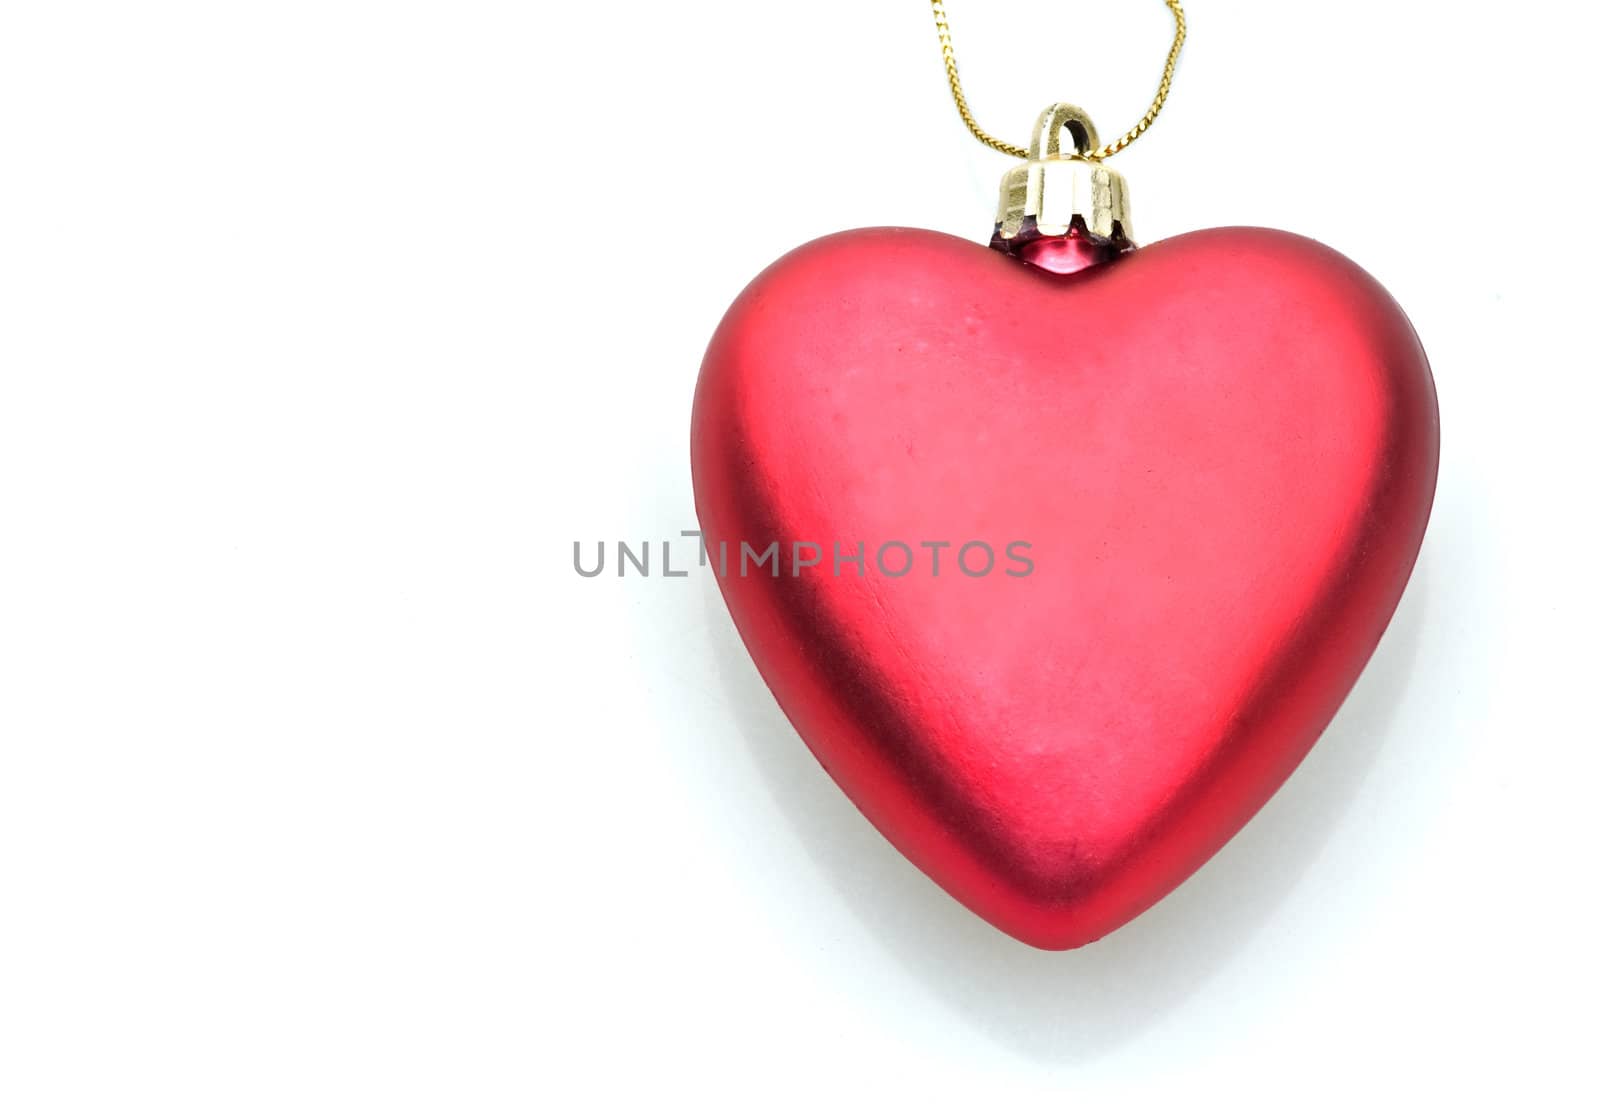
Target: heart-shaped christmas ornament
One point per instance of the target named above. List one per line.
(1061, 555)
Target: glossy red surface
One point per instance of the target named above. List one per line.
(1222, 450)
(1066, 253)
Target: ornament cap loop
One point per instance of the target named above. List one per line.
(1062, 188)
(1056, 119)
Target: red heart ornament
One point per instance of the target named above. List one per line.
(1217, 456)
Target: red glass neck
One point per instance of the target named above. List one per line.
(1072, 252)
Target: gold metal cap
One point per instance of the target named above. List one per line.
(1060, 182)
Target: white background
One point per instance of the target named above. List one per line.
(327, 327)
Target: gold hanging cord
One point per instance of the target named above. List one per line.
(942, 22)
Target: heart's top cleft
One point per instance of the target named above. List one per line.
(1061, 210)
